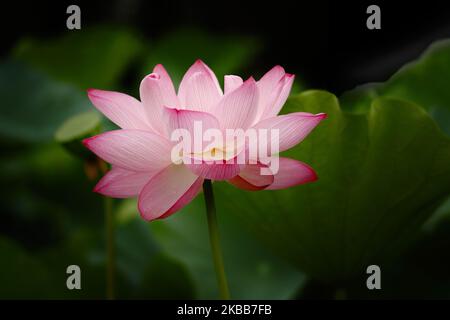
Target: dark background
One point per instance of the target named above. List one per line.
(325, 42)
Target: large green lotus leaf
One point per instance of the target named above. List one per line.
(33, 105)
(149, 272)
(252, 271)
(424, 82)
(95, 57)
(381, 174)
(179, 49)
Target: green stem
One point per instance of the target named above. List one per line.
(214, 239)
(110, 248)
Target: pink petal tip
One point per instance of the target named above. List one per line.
(87, 141)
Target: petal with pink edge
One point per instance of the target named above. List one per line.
(267, 85)
(292, 128)
(199, 66)
(280, 97)
(291, 173)
(199, 89)
(271, 78)
(124, 110)
(199, 92)
(193, 191)
(164, 190)
(156, 92)
(250, 178)
(135, 150)
(122, 183)
(237, 109)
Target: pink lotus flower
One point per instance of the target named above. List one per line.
(140, 152)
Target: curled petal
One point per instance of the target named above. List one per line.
(156, 92)
(124, 110)
(165, 191)
(292, 128)
(166, 83)
(135, 150)
(199, 88)
(291, 173)
(122, 183)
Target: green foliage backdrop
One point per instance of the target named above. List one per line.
(382, 157)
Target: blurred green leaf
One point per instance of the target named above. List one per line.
(72, 132)
(421, 273)
(135, 249)
(22, 275)
(95, 57)
(252, 272)
(381, 174)
(143, 270)
(178, 50)
(442, 213)
(33, 106)
(50, 208)
(78, 126)
(166, 278)
(424, 82)
(75, 249)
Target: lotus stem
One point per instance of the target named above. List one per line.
(110, 249)
(215, 240)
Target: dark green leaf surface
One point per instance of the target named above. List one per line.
(381, 174)
(424, 82)
(33, 105)
(252, 272)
